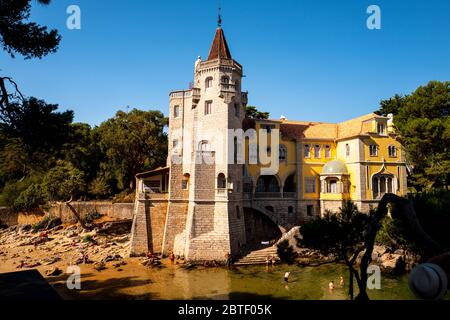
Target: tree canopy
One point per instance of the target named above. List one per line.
(423, 124)
(253, 113)
(19, 36)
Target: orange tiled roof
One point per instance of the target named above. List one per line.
(327, 131)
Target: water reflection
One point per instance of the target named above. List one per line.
(255, 282)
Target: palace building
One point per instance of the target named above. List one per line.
(205, 205)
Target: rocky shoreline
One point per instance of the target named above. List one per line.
(391, 261)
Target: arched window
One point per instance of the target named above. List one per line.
(273, 185)
(204, 146)
(373, 148)
(332, 186)
(289, 184)
(347, 150)
(185, 182)
(307, 151)
(327, 152)
(317, 149)
(260, 186)
(382, 184)
(283, 153)
(209, 82)
(267, 184)
(225, 83)
(221, 181)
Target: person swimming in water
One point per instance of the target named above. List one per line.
(331, 286)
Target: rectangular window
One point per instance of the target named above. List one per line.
(209, 83)
(392, 151)
(381, 128)
(237, 112)
(208, 107)
(310, 185)
(310, 210)
(175, 144)
(327, 152)
(176, 112)
(184, 184)
(373, 150)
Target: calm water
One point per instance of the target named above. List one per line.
(255, 282)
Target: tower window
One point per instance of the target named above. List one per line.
(175, 144)
(176, 112)
(209, 82)
(237, 112)
(238, 213)
(347, 150)
(221, 181)
(208, 107)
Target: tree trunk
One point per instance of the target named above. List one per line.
(350, 284)
(405, 211)
(76, 214)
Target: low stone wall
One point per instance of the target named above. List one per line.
(7, 217)
(112, 211)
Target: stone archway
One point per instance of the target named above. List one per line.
(259, 228)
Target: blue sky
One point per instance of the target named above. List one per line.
(309, 60)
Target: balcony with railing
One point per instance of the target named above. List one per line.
(196, 94)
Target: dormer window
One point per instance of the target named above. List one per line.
(209, 82)
(317, 151)
(381, 128)
(327, 152)
(307, 151)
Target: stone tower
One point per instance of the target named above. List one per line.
(205, 181)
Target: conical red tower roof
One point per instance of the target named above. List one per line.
(219, 48)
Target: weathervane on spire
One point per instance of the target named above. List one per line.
(219, 20)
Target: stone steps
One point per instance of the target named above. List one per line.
(258, 256)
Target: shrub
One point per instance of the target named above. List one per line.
(433, 211)
(33, 197)
(47, 223)
(286, 252)
(92, 216)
